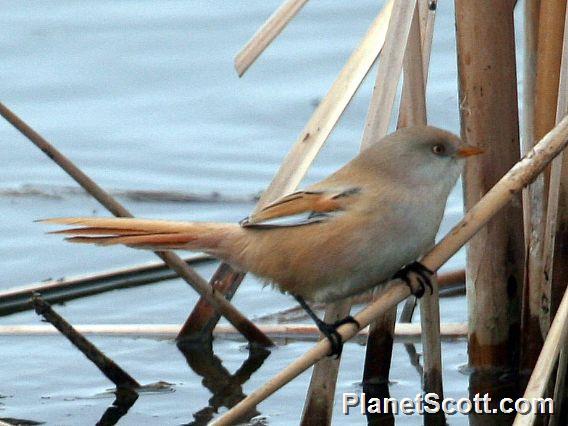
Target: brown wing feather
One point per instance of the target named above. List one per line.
(304, 202)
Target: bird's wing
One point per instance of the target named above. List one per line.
(319, 205)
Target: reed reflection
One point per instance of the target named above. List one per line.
(226, 387)
(125, 398)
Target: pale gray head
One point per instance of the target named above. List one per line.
(421, 155)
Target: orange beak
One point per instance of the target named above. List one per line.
(468, 151)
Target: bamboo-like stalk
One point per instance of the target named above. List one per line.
(388, 73)
(415, 67)
(381, 336)
(560, 386)
(531, 14)
(221, 304)
(487, 90)
(550, 35)
(296, 164)
(106, 365)
(414, 94)
(303, 332)
(552, 281)
(555, 341)
(476, 218)
(530, 33)
(266, 34)
(18, 299)
(203, 318)
(318, 407)
(415, 81)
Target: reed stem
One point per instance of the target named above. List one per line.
(266, 34)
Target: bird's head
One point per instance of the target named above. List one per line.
(422, 155)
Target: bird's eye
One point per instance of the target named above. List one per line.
(438, 149)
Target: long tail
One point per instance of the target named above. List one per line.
(220, 239)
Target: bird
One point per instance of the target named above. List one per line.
(369, 221)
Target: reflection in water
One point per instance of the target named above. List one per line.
(226, 387)
(498, 384)
(125, 398)
(385, 415)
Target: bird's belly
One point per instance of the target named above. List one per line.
(335, 263)
(371, 261)
(367, 273)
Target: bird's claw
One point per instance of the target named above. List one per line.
(331, 333)
(423, 277)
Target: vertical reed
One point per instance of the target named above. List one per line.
(555, 250)
(489, 118)
(381, 332)
(318, 407)
(413, 112)
(530, 31)
(540, 377)
(536, 316)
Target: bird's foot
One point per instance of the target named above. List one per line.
(423, 278)
(335, 339)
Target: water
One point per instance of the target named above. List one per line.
(143, 96)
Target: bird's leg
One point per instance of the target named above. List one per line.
(423, 276)
(329, 330)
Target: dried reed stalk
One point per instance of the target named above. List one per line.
(59, 290)
(266, 34)
(305, 332)
(475, 219)
(300, 157)
(489, 119)
(555, 341)
(388, 74)
(380, 342)
(552, 281)
(106, 365)
(318, 406)
(550, 35)
(530, 32)
(221, 304)
(413, 95)
(560, 386)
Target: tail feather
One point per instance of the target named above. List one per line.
(98, 231)
(126, 223)
(215, 238)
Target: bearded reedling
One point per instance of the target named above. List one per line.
(366, 223)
